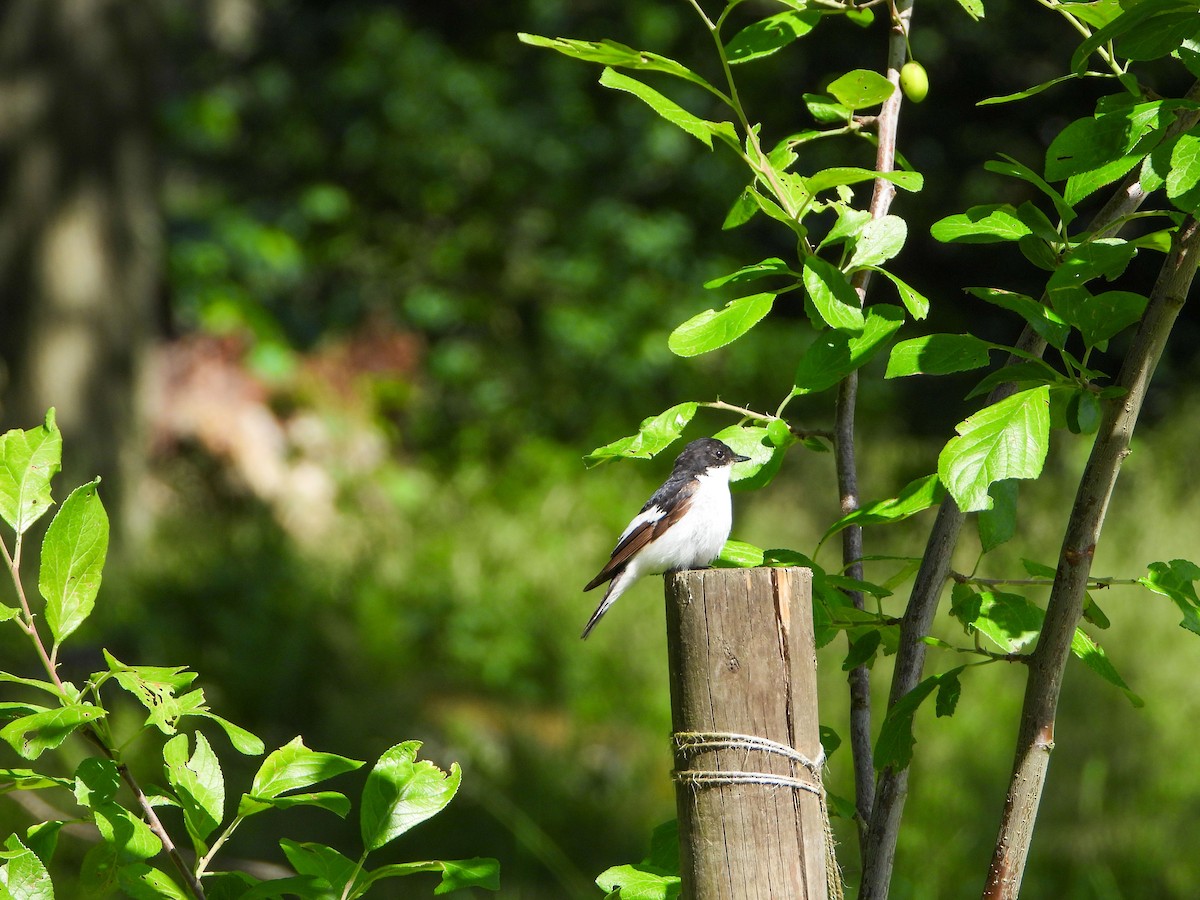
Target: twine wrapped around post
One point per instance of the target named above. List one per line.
(748, 757)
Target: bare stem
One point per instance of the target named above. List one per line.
(846, 462)
(1035, 738)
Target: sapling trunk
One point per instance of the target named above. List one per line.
(1035, 739)
(888, 123)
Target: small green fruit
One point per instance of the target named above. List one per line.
(914, 81)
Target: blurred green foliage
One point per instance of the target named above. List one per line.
(413, 162)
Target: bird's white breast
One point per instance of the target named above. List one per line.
(697, 538)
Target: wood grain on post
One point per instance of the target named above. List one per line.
(743, 663)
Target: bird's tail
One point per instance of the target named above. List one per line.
(615, 589)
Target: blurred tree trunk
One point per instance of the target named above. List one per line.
(80, 241)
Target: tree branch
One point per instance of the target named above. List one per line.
(846, 463)
(1035, 739)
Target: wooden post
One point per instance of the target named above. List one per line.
(752, 820)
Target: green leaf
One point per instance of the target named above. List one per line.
(639, 882)
(835, 300)
(1175, 580)
(847, 175)
(1038, 570)
(917, 495)
(740, 555)
(156, 688)
(712, 328)
(894, 746)
(999, 524)
(73, 554)
(861, 88)
(1083, 412)
(698, 128)
(1090, 144)
(402, 792)
(850, 224)
(862, 650)
(611, 53)
(1183, 177)
(914, 301)
(127, 834)
(744, 208)
(986, 224)
(1010, 621)
(1028, 92)
(1101, 316)
(96, 781)
(1041, 318)
(31, 735)
(825, 109)
(29, 780)
(880, 240)
(1132, 17)
(768, 35)
(197, 782)
(654, 435)
(24, 875)
(320, 862)
(1097, 660)
(456, 874)
(937, 354)
(973, 8)
(243, 741)
(139, 881)
(333, 801)
(28, 460)
(47, 686)
(949, 690)
(1008, 439)
(835, 354)
(1006, 165)
(765, 457)
(768, 267)
(42, 839)
(1103, 258)
(295, 766)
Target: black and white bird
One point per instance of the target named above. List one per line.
(683, 525)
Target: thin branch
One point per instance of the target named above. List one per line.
(844, 450)
(1098, 582)
(1035, 739)
(152, 820)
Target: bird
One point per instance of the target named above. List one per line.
(683, 525)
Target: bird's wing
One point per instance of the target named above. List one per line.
(661, 511)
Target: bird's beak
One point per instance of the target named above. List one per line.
(737, 458)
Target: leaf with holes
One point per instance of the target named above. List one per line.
(28, 460)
